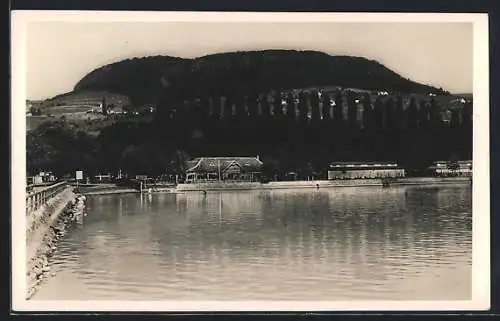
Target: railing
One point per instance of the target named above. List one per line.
(37, 197)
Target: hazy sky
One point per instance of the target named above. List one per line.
(61, 53)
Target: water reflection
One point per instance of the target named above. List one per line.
(282, 244)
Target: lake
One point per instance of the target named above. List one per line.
(359, 243)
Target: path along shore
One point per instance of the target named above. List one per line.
(44, 227)
(226, 186)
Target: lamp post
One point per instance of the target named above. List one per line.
(218, 169)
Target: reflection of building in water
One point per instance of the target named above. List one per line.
(212, 169)
(229, 202)
(357, 170)
(353, 199)
(453, 195)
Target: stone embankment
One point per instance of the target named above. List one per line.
(44, 233)
(375, 182)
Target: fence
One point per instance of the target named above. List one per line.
(39, 196)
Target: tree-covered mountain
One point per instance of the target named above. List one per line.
(137, 78)
(242, 104)
(145, 80)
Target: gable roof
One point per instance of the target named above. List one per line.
(210, 164)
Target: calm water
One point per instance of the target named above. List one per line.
(403, 243)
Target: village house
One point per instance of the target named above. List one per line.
(364, 170)
(206, 169)
(41, 178)
(451, 168)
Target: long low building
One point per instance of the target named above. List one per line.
(364, 170)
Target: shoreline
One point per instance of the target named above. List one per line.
(42, 241)
(235, 186)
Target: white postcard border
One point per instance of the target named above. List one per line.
(481, 203)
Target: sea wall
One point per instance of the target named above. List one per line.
(39, 219)
(320, 183)
(276, 185)
(214, 186)
(43, 232)
(431, 180)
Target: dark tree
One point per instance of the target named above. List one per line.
(367, 112)
(378, 114)
(466, 113)
(204, 109)
(266, 106)
(252, 101)
(239, 109)
(104, 106)
(228, 108)
(435, 113)
(277, 105)
(315, 112)
(326, 107)
(412, 114)
(303, 108)
(290, 108)
(390, 112)
(423, 114)
(214, 103)
(338, 113)
(399, 113)
(466, 127)
(455, 119)
(352, 109)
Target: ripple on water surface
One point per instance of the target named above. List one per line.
(402, 243)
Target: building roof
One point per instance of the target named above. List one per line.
(444, 164)
(210, 164)
(459, 162)
(362, 164)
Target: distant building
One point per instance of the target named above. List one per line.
(117, 110)
(37, 179)
(103, 178)
(363, 170)
(41, 178)
(207, 169)
(452, 168)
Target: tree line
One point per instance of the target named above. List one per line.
(291, 131)
(307, 129)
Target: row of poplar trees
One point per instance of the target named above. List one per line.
(310, 129)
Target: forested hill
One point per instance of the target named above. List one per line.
(145, 80)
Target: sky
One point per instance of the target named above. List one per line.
(59, 54)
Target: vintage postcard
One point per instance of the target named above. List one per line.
(216, 161)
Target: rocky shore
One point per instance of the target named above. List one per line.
(38, 267)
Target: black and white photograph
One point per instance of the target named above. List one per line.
(223, 161)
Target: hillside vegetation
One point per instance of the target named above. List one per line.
(298, 111)
(147, 80)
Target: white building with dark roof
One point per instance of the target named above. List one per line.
(206, 169)
(450, 168)
(364, 170)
